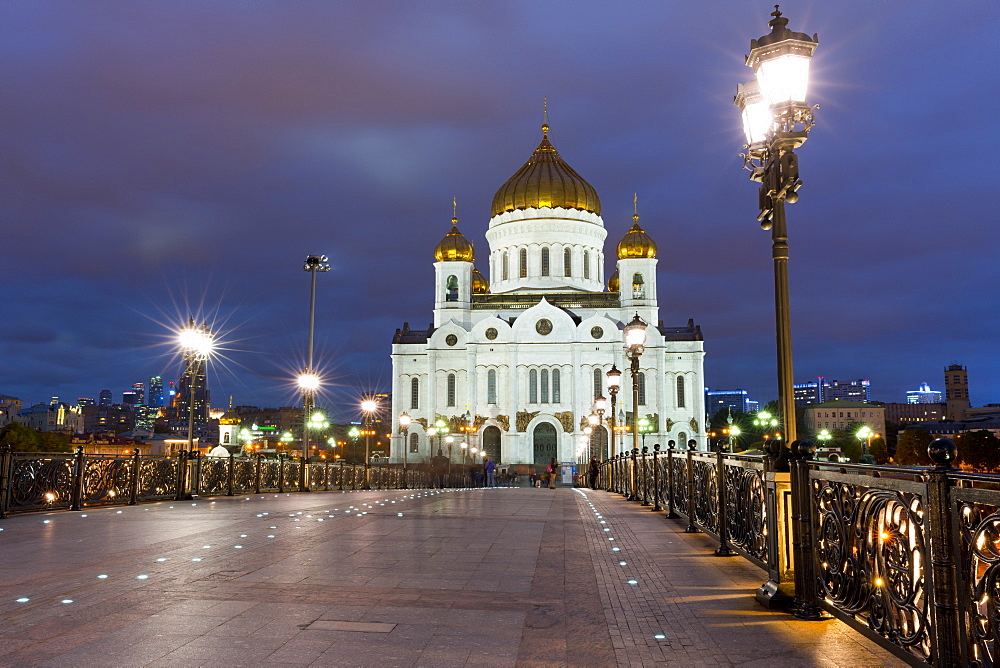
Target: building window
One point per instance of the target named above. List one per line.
(567, 262)
(452, 289)
(491, 386)
(638, 287)
(414, 393)
(586, 264)
(532, 387)
(451, 389)
(641, 384)
(545, 386)
(682, 439)
(504, 266)
(414, 442)
(545, 262)
(680, 391)
(598, 382)
(555, 386)
(523, 269)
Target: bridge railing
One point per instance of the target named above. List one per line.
(908, 556)
(72, 481)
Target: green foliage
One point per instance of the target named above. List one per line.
(911, 448)
(20, 438)
(979, 451)
(880, 451)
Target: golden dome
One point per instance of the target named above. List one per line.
(546, 181)
(636, 243)
(614, 283)
(480, 286)
(454, 247)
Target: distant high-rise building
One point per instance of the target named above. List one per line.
(132, 398)
(105, 398)
(956, 391)
(155, 398)
(923, 395)
(140, 389)
(194, 373)
(820, 390)
(737, 400)
(85, 401)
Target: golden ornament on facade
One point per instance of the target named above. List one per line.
(480, 286)
(546, 181)
(614, 283)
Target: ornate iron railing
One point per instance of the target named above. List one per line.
(908, 556)
(46, 481)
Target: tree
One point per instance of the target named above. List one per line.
(21, 438)
(53, 441)
(911, 447)
(979, 450)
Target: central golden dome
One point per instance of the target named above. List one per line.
(546, 181)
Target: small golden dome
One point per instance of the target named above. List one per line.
(636, 243)
(614, 283)
(454, 247)
(480, 286)
(546, 181)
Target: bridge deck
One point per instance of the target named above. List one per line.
(478, 577)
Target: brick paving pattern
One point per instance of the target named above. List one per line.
(521, 577)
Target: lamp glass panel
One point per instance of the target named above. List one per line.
(635, 336)
(784, 78)
(755, 111)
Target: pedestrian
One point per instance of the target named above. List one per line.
(490, 468)
(593, 472)
(553, 467)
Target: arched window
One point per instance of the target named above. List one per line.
(545, 386)
(555, 386)
(598, 382)
(452, 287)
(638, 287)
(641, 386)
(414, 442)
(505, 268)
(225, 438)
(523, 269)
(491, 386)
(414, 393)
(451, 389)
(682, 440)
(680, 391)
(586, 264)
(567, 262)
(545, 262)
(532, 387)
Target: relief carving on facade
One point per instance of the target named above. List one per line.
(694, 425)
(524, 418)
(503, 421)
(422, 422)
(478, 422)
(566, 420)
(668, 425)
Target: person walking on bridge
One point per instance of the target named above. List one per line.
(490, 467)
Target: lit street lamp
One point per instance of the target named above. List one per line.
(308, 380)
(368, 407)
(776, 121)
(614, 384)
(635, 341)
(865, 436)
(196, 345)
(404, 426)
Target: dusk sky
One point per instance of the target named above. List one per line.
(161, 159)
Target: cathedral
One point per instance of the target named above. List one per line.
(513, 365)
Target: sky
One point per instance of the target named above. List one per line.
(165, 159)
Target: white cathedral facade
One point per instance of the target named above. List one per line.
(513, 366)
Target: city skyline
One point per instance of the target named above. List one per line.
(182, 160)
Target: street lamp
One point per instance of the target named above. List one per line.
(776, 121)
(734, 431)
(404, 426)
(614, 384)
(368, 407)
(308, 380)
(196, 343)
(601, 405)
(644, 428)
(865, 436)
(449, 440)
(635, 341)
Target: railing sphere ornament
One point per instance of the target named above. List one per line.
(942, 452)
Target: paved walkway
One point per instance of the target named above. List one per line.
(502, 577)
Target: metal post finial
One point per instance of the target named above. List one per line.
(545, 117)
(454, 211)
(635, 207)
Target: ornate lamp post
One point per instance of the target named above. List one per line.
(614, 384)
(635, 342)
(865, 436)
(449, 441)
(776, 121)
(404, 427)
(600, 406)
(368, 407)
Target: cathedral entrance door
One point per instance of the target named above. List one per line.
(544, 441)
(491, 443)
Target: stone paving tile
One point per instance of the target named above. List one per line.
(530, 580)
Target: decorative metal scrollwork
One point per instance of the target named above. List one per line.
(706, 496)
(157, 478)
(41, 482)
(746, 510)
(979, 561)
(214, 475)
(871, 556)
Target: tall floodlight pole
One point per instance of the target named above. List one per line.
(776, 121)
(308, 379)
(196, 343)
(368, 407)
